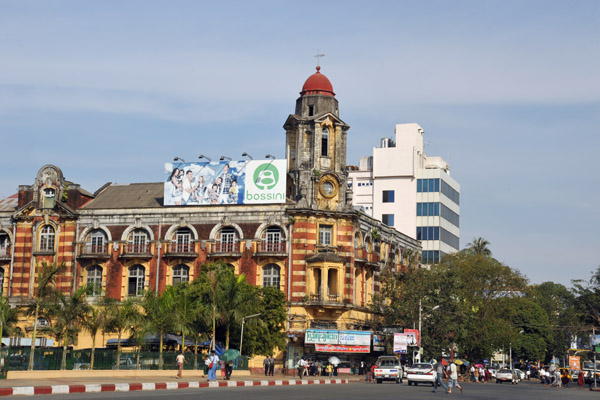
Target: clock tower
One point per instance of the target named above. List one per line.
(316, 149)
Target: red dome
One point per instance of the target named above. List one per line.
(317, 83)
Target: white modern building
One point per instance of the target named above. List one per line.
(404, 188)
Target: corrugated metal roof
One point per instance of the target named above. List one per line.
(9, 204)
(134, 195)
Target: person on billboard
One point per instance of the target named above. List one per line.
(213, 194)
(233, 193)
(189, 188)
(174, 189)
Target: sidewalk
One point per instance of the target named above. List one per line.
(34, 386)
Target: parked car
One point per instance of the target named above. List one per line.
(388, 368)
(507, 375)
(420, 373)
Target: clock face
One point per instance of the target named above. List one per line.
(327, 188)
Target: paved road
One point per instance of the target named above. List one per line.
(353, 390)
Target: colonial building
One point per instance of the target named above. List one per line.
(316, 247)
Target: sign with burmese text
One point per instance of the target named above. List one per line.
(329, 340)
(225, 182)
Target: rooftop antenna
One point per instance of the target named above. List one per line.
(318, 57)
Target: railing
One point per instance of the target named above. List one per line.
(270, 247)
(90, 249)
(136, 248)
(181, 248)
(226, 247)
(317, 298)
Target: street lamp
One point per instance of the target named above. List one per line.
(244, 154)
(201, 156)
(242, 334)
(225, 158)
(420, 331)
(270, 156)
(178, 159)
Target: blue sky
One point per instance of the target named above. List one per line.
(508, 92)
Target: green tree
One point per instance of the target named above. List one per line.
(8, 317)
(235, 299)
(93, 321)
(479, 246)
(46, 281)
(159, 315)
(262, 335)
(119, 318)
(68, 313)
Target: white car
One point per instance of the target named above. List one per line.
(420, 373)
(507, 375)
(388, 368)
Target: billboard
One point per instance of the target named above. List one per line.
(400, 343)
(413, 337)
(225, 182)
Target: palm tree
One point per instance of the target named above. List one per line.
(232, 301)
(159, 315)
(92, 322)
(479, 246)
(8, 316)
(185, 309)
(45, 287)
(119, 317)
(69, 312)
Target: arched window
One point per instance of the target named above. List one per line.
(273, 240)
(4, 244)
(227, 239)
(1, 280)
(96, 242)
(271, 275)
(49, 200)
(137, 242)
(135, 286)
(47, 238)
(183, 240)
(325, 142)
(94, 279)
(181, 273)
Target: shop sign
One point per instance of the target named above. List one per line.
(378, 342)
(400, 343)
(321, 336)
(355, 338)
(332, 348)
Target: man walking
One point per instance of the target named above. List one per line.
(453, 379)
(440, 372)
(213, 363)
(271, 365)
(180, 359)
(266, 363)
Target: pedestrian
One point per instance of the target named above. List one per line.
(528, 373)
(476, 373)
(213, 364)
(581, 379)
(300, 367)
(361, 369)
(440, 372)
(228, 369)
(329, 369)
(565, 378)
(180, 359)
(266, 365)
(271, 365)
(368, 372)
(372, 374)
(453, 379)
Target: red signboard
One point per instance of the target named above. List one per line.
(340, 348)
(413, 337)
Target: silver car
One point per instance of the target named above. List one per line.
(420, 373)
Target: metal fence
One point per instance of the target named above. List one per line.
(17, 359)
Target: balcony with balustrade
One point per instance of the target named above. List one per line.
(268, 248)
(91, 250)
(5, 252)
(181, 249)
(137, 250)
(225, 249)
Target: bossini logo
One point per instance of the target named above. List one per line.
(265, 185)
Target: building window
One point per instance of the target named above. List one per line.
(94, 279)
(388, 196)
(271, 275)
(450, 216)
(272, 240)
(97, 242)
(428, 185)
(388, 219)
(325, 234)
(311, 110)
(431, 256)
(428, 233)
(450, 193)
(227, 240)
(48, 201)
(1, 280)
(47, 238)
(183, 239)
(181, 273)
(428, 209)
(4, 244)
(137, 242)
(325, 142)
(135, 286)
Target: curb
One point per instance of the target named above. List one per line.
(128, 387)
